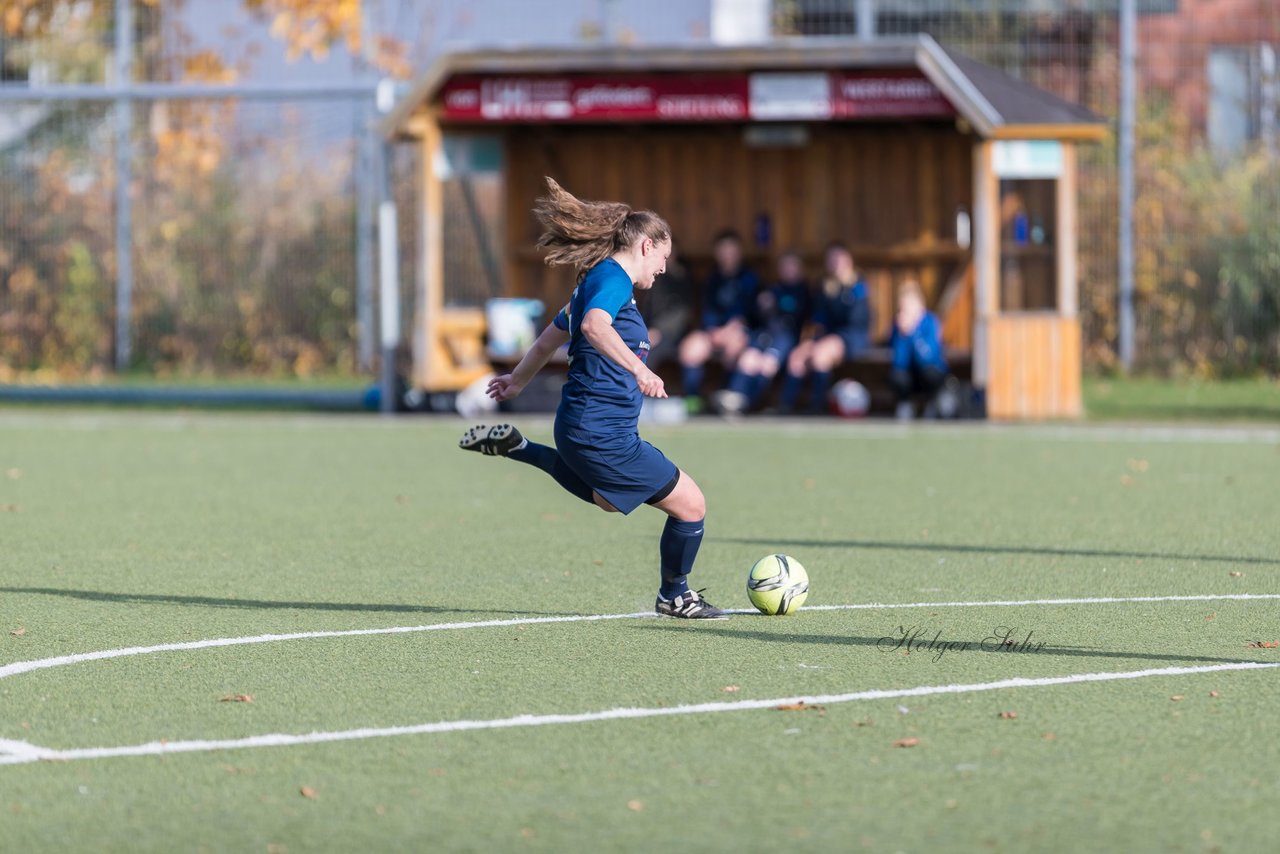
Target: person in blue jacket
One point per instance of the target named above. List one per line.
(727, 298)
(778, 316)
(919, 365)
(599, 456)
(841, 330)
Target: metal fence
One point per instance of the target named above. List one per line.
(251, 220)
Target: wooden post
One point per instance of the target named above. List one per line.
(431, 262)
(1070, 366)
(1068, 287)
(986, 257)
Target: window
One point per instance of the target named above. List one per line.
(1242, 84)
(1028, 252)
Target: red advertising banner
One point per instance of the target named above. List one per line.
(886, 94)
(619, 98)
(759, 96)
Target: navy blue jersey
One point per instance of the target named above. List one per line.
(922, 348)
(843, 308)
(782, 309)
(599, 394)
(729, 297)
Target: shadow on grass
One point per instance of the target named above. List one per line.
(886, 647)
(221, 602)
(962, 548)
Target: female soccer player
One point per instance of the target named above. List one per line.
(599, 455)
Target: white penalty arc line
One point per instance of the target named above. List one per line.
(21, 752)
(19, 667)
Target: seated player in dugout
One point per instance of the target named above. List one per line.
(728, 295)
(667, 308)
(779, 315)
(841, 329)
(919, 366)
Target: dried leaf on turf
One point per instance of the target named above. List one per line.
(1263, 644)
(237, 698)
(307, 792)
(906, 742)
(1048, 736)
(1213, 694)
(1236, 574)
(18, 632)
(1177, 698)
(730, 689)
(1008, 715)
(635, 806)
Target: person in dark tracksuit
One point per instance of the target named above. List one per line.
(841, 330)
(777, 318)
(599, 456)
(919, 365)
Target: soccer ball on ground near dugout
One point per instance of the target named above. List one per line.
(850, 399)
(777, 584)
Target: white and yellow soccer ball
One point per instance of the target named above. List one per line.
(778, 584)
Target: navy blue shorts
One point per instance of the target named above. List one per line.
(776, 344)
(623, 468)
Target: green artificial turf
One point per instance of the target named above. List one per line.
(121, 530)
(1154, 399)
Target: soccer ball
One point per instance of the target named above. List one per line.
(850, 399)
(777, 584)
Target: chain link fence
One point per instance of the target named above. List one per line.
(248, 215)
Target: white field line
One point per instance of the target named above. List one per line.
(32, 753)
(18, 752)
(19, 667)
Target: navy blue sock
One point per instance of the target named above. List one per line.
(790, 391)
(740, 382)
(678, 546)
(821, 385)
(548, 459)
(692, 380)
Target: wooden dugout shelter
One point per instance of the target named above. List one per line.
(928, 164)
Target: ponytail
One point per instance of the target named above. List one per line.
(582, 234)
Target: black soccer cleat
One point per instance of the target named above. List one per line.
(688, 606)
(496, 440)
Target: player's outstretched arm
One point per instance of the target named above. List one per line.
(597, 326)
(509, 385)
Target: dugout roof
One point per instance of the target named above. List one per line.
(793, 80)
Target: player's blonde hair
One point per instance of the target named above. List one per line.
(582, 234)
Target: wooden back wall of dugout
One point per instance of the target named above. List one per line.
(889, 191)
